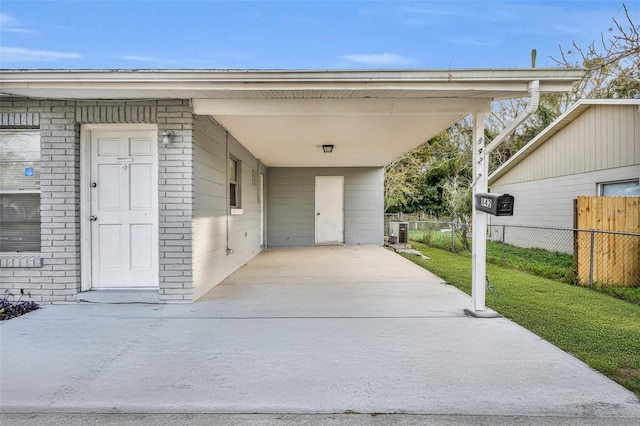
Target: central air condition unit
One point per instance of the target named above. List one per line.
(398, 232)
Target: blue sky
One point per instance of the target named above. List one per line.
(139, 34)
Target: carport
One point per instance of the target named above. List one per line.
(371, 118)
(320, 124)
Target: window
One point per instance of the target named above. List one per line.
(234, 182)
(627, 188)
(19, 191)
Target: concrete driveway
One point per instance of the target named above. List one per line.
(308, 331)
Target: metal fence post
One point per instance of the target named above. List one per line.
(503, 229)
(453, 238)
(591, 258)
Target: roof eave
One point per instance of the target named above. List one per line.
(558, 124)
(241, 78)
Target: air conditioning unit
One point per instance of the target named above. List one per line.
(398, 232)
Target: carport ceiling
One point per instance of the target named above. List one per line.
(364, 132)
(283, 117)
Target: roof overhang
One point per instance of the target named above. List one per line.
(282, 117)
(557, 125)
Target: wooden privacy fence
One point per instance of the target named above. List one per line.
(610, 256)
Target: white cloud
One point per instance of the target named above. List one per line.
(11, 25)
(152, 61)
(569, 30)
(140, 58)
(435, 10)
(19, 54)
(476, 41)
(378, 59)
(5, 19)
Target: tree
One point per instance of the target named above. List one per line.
(434, 176)
(550, 107)
(458, 196)
(401, 181)
(415, 181)
(612, 70)
(612, 65)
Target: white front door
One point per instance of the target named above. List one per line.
(329, 209)
(123, 208)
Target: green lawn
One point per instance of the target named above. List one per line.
(557, 266)
(542, 263)
(600, 330)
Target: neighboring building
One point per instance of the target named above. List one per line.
(157, 185)
(591, 149)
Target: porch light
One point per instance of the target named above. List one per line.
(167, 137)
(327, 148)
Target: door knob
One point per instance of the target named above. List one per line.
(93, 218)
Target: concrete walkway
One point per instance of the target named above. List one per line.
(302, 331)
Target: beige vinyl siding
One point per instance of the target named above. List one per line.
(600, 145)
(549, 202)
(603, 137)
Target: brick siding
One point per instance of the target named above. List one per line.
(54, 274)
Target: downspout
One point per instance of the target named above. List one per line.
(532, 106)
(227, 207)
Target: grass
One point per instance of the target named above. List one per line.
(602, 331)
(437, 238)
(553, 265)
(543, 263)
(628, 294)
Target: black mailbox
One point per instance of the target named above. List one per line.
(495, 204)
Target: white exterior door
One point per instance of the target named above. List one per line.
(329, 209)
(123, 209)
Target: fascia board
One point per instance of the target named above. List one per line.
(344, 107)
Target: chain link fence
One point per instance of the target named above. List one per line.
(608, 258)
(575, 256)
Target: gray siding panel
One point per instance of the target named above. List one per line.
(212, 224)
(291, 207)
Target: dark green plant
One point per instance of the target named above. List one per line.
(9, 309)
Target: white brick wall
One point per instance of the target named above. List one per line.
(58, 277)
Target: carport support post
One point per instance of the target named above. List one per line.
(479, 234)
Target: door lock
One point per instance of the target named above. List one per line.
(93, 218)
(93, 184)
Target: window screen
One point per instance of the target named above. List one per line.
(620, 189)
(234, 182)
(19, 191)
